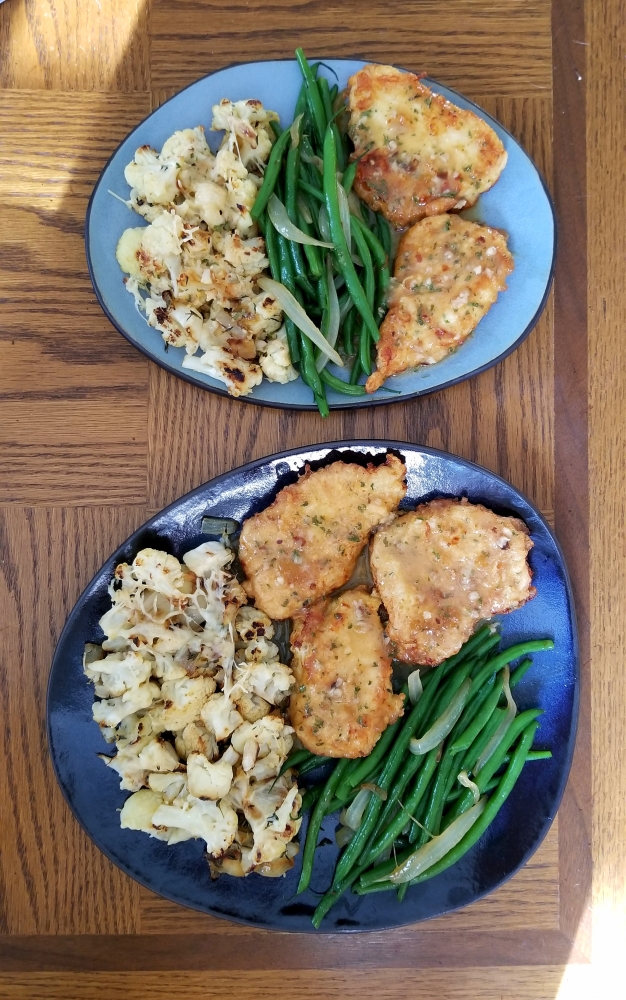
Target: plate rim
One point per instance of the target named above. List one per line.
(358, 403)
(348, 445)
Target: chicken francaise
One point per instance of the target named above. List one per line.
(421, 154)
(441, 568)
(306, 544)
(343, 698)
(448, 274)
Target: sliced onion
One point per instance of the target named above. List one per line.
(345, 309)
(294, 128)
(415, 687)
(379, 792)
(128, 203)
(344, 835)
(294, 310)
(344, 212)
(464, 779)
(442, 726)
(334, 317)
(315, 160)
(323, 223)
(500, 732)
(437, 848)
(281, 221)
(303, 208)
(354, 812)
(355, 205)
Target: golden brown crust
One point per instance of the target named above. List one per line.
(448, 274)
(443, 567)
(306, 543)
(423, 154)
(343, 698)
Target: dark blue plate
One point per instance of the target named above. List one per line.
(180, 872)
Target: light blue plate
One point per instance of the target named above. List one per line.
(519, 203)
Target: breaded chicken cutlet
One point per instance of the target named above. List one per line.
(441, 568)
(307, 542)
(423, 154)
(448, 274)
(343, 698)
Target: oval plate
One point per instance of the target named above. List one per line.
(519, 203)
(180, 872)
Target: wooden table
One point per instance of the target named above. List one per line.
(95, 438)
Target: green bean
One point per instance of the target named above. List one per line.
(378, 251)
(307, 148)
(291, 191)
(374, 806)
(315, 824)
(298, 757)
(382, 262)
(322, 403)
(349, 175)
(519, 672)
(432, 818)
(314, 99)
(376, 887)
(287, 279)
(311, 764)
(276, 129)
(355, 371)
(532, 755)
(491, 810)
(348, 331)
(365, 359)
(487, 708)
(419, 816)
(340, 146)
(340, 386)
(473, 707)
(342, 252)
(392, 829)
(506, 657)
(313, 191)
(271, 175)
(486, 644)
(327, 103)
(340, 802)
(487, 771)
(366, 765)
(310, 797)
(536, 755)
(271, 249)
(312, 253)
(308, 370)
(301, 104)
(330, 120)
(481, 741)
(385, 234)
(366, 257)
(334, 90)
(385, 868)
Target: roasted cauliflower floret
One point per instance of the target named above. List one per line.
(171, 688)
(220, 716)
(193, 269)
(210, 779)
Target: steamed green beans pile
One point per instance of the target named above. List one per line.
(436, 778)
(327, 251)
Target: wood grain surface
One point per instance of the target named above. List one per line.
(94, 438)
